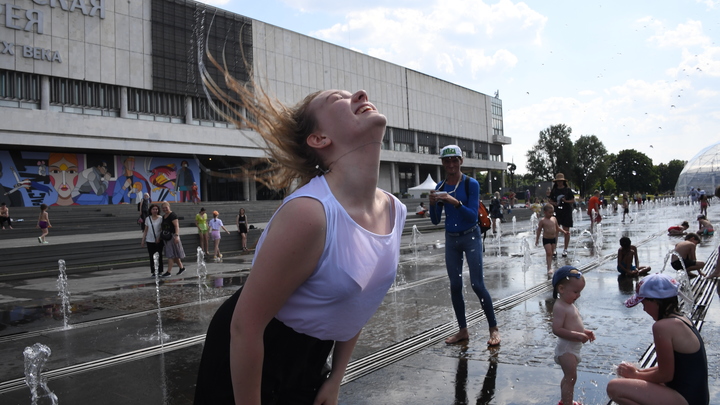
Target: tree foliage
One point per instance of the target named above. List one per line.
(669, 174)
(591, 167)
(553, 153)
(634, 171)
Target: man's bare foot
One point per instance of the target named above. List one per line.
(644, 271)
(550, 272)
(461, 336)
(494, 337)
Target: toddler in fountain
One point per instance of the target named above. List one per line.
(549, 227)
(567, 325)
(626, 254)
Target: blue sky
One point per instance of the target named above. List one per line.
(638, 74)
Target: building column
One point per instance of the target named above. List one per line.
(246, 188)
(253, 190)
(188, 111)
(437, 174)
(417, 175)
(44, 92)
(391, 140)
(490, 179)
(204, 184)
(123, 102)
(394, 188)
(415, 142)
(503, 180)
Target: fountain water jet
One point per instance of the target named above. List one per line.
(63, 293)
(160, 334)
(201, 274)
(35, 358)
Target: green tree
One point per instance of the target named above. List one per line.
(669, 174)
(634, 171)
(590, 167)
(610, 186)
(553, 153)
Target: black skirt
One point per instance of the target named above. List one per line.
(294, 366)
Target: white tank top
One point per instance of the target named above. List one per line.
(355, 271)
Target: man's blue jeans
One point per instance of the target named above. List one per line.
(471, 245)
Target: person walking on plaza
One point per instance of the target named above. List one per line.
(201, 222)
(681, 374)
(626, 207)
(144, 208)
(215, 225)
(549, 229)
(323, 264)
(43, 223)
(5, 216)
(151, 238)
(173, 247)
(462, 236)
(242, 227)
(563, 198)
(593, 210)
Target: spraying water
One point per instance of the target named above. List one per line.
(533, 222)
(35, 358)
(415, 240)
(201, 274)
(513, 222)
(681, 276)
(63, 293)
(160, 334)
(525, 249)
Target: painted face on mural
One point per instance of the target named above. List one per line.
(63, 175)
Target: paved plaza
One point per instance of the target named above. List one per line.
(111, 352)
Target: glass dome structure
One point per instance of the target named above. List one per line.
(701, 172)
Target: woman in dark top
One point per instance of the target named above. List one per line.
(562, 197)
(242, 227)
(173, 248)
(681, 374)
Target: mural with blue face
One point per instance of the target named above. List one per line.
(61, 178)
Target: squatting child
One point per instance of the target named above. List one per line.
(549, 227)
(626, 255)
(705, 227)
(567, 325)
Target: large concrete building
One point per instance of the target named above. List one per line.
(101, 100)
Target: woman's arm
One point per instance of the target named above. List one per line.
(330, 390)
(290, 253)
(145, 231)
(665, 369)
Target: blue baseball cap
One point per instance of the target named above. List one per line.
(563, 273)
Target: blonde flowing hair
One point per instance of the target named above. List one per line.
(284, 129)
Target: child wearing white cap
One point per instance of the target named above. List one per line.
(681, 374)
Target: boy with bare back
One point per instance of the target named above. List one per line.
(626, 255)
(686, 251)
(549, 227)
(568, 326)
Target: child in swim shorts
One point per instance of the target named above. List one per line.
(567, 325)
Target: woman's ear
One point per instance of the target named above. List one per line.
(318, 141)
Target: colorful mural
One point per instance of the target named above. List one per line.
(34, 178)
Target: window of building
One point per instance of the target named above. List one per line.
(156, 103)
(404, 140)
(78, 93)
(427, 143)
(19, 86)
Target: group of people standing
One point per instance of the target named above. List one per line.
(211, 230)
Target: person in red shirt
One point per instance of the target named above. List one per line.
(594, 205)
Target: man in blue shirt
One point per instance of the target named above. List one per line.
(462, 235)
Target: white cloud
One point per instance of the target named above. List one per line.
(684, 36)
(452, 37)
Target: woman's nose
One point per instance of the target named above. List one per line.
(360, 95)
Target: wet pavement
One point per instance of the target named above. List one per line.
(112, 354)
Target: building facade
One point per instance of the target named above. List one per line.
(102, 100)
